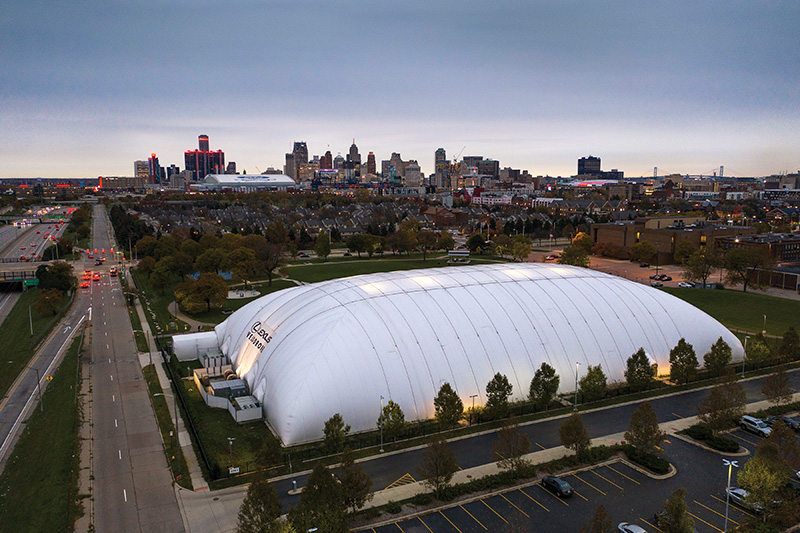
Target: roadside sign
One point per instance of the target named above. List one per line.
(49, 378)
(233, 470)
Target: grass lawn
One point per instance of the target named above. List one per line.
(157, 303)
(744, 310)
(15, 336)
(215, 316)
(340, 269)
(38, 488)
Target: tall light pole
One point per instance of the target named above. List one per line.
(745, 353)
(382, 417)
(230, 450)
(764, 331)
(730, 465)
(473, 396)
(577, 365)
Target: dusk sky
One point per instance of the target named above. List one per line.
(90, 86)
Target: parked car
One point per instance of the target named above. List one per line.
(739, 496)
(654, 276)
(685, 285)
(791, 423)
(557, 486)
(644, 265)
(302, 255)
(755, 425)
(656, 284)
(664, 277)
(630, 528)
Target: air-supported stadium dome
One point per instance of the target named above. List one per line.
(311, 351)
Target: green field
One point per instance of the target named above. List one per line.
(38, 488)
(744, 310)
(15, 336)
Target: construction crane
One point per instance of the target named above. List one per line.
(455, 157)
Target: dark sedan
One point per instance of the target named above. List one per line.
(791, 423)
(557, 486)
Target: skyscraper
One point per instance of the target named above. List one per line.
(353, 156)
(440, 168)
(589, 165)
(204, 161)
(327, 161)
(371, 169)
(155, 172)
(297, 157)
(141, 169)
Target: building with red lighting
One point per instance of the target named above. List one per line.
(203, 162)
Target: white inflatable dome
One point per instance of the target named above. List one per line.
(336, 347)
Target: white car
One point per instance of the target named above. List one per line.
(739, 497)
(630, 528)
(685, 285)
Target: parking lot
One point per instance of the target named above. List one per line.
(627, 494)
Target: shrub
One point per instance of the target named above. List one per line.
(393, 507)
(723, 444)
(650, 461)
(698, 432)
(423, 498)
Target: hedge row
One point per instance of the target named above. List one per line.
(704, 434)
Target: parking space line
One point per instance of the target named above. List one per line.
(703, 521)
(515, 507)
(534, 500)
(743, 439)
(715, 512)
(734, 507)
(551, 494)
(404, 480)
(595, 488)
(649, 524)
(495, 512)
(478, 521)
(581, 495)
(677, 415)
(424, 524)
(398, 527)
(539, 445)
(451, 523)
(605, 478)
(621, 474)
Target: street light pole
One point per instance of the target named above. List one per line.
(730, 465)
(575, 407)
(382, 417)
(764, 331)
(745, 353)
(473, 408)
(230, 450)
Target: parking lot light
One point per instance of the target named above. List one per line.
(730, 465)
(744, 357)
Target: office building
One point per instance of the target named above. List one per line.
(204, 161)
(589, 165)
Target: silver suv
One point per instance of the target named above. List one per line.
(755, 425)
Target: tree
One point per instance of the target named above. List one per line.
(758, 351)
(426, 240)
(449, 407)
(593, 385)
(498, 391)
(335, 433)
(763, 477)
(501, 245)
(272, 257)
(357, 243)
(683, 250)
(392, 420)
(675, 516)
(718, 358)
(741, 263)
(643, 251)
(260, 508)
(438, 465)
(575, 256)
(776, 387)
(544, 386)
(243, 263)
(200, 295)
(476, 243)
(682, 362)
(511, 446)
(789, 344)
(640, 373)
(355, 482)
(784, 444)
(644, 432)
(583, 240)
(146, 265)
(56, 275)
(599, 523)
(321, 504)
(520, 250)
(701, 264)
(210, 260)
(322, 246)
(49, 301)
(159, 277)
(446, 241)
(724, 404)
(574, 435)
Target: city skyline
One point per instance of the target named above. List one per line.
(685, 88)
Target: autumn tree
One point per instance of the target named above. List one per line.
(511, 446)
(520, 249)
(49, 301)
(426, 240)
(593, 385)
(599, 523)
(322, 246)
(643, 251)
(207, 291)
(449, 407)
(583, 240)
(776, 387)
(758, 351)
(498, 390)
(789, 345)
(544, 386)
(764, 476)
(682, 362)
(718, 357)
(724, 404)
(392, 420)
(335, 433)
(356, 483)
(573, 434)
(640, 373)
(675, 517)
(785, 444)
(683, 250)
(575, 256)
(321, 504)
(260, 509)
(742, 262)
(446, 241)
(644, 432)
(701, 264)
(210, 260)
(438, 465)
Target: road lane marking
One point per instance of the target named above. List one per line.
(113, 398)
(120, 454)
(490, 508)
(125, 495)
(112, 377)
(603, 477)
(703, 521)
(595, 488)
(115, 423)
(405, 479)
(515, 507)
(621, 474)
(715, 512)
(451, 523)
(534, 500)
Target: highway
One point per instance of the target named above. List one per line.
(132, 486)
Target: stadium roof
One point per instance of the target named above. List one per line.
(250, 181)
(336, 347)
